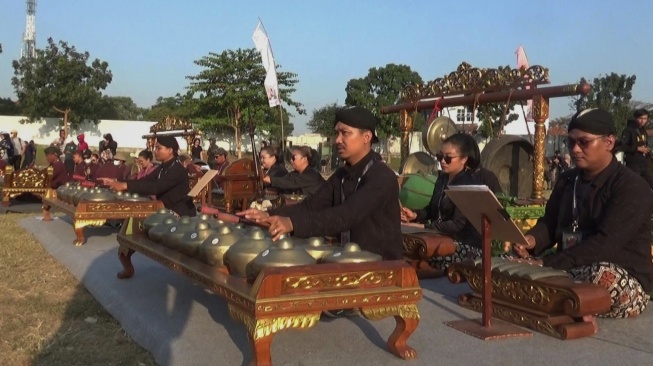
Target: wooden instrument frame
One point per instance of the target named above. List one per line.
(29, 180)
(471, 86)
(172, 126)
(97, 213)
(293, 297)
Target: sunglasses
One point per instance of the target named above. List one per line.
(582, 143)
(446, 158)
(295, 157)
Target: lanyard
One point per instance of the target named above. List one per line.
(574, 207)
(345, 236)
(166, 169)
(439, 219)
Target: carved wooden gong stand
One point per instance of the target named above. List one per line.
(471, 86)
(171, 126)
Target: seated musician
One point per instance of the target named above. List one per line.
(93, 163)
(79, 169)
(599, 215)
(59, 172)
(272, 162)
(108, 170)
(168, 182)
(145, 164)
(457, 158)
(220, 163)
(304, 180)
(120, 160)
(192, 169)
(358, 203)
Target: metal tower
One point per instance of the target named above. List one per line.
(29, 37)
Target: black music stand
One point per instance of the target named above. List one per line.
(483, 210)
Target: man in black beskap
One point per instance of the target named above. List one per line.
(637, 153)
(599, 215)
(359, 203)
(168, 182)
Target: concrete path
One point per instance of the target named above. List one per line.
(183, 324)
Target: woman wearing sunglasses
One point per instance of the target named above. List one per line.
(304, 179)
(458, 159)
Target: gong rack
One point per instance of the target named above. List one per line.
(172, 126)
(472, 86)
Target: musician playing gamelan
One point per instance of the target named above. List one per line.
(599, 215)
(359, 202)
(458, 159)
(304, 180)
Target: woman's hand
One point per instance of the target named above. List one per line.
(254, 215)
(521, 250)
(407, 215)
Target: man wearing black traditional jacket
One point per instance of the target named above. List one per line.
(358, 203)
(168, 182)
(599, 215)
(634, 141)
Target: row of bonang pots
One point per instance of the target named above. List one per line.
(72, 194)
(244, 250)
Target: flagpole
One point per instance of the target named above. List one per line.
(283, 142)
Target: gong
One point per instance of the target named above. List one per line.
(418, 162)
(510, 158)
(437, 131)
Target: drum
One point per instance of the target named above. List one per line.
(416, 191)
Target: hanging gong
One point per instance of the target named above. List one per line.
(437, 131)
(510, 158)
(418, 162)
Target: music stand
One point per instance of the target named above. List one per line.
(483, 210)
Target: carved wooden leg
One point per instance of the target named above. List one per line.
(397, 340)
(46, 213)
(5, 199)
(261, 349)
(79, 233)
(407, 318)
(125, 256)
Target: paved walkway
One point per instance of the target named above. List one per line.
(183, 324)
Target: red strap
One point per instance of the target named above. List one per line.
(434, 112)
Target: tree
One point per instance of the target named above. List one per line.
(8, 107)
(59, 79)
(382, 86)
(322, 119)
(231, 93)
(121, 108)
(494, 117)
(179, 106)
(611, 92)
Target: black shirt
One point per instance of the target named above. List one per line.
(633, 137)
(445, 217)
(488, 178)
(196, 152)
(170, 184)
(306, 182)
(614, 216)
(370, 211)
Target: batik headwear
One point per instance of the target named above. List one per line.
(595, 121)
(358, 117)
(169, 142)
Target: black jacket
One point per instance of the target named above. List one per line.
(169, 183)
(487, 178)
(277, 170)
(633, 137)
(614, 218)
(445, 217)
(370, 211)
(306, 182)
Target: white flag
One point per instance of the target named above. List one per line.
(523, 61)
(263, 46)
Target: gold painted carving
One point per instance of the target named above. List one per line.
(332, 281)
(120, 207)
(91, 222)
(31, 178)
(261, 328)
(409, 311)
(412, 245)
(343, 301)
(540, 114)
(171, 124)
(467, 78)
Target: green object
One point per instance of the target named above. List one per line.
(417, 190)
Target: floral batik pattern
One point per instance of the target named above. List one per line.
(463, 252)
(627, 295)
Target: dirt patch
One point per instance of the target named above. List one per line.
(47, 317)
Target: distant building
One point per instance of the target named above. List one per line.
(308, 139)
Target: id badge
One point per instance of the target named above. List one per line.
(571, 238)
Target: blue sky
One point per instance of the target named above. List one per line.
(150, 45)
